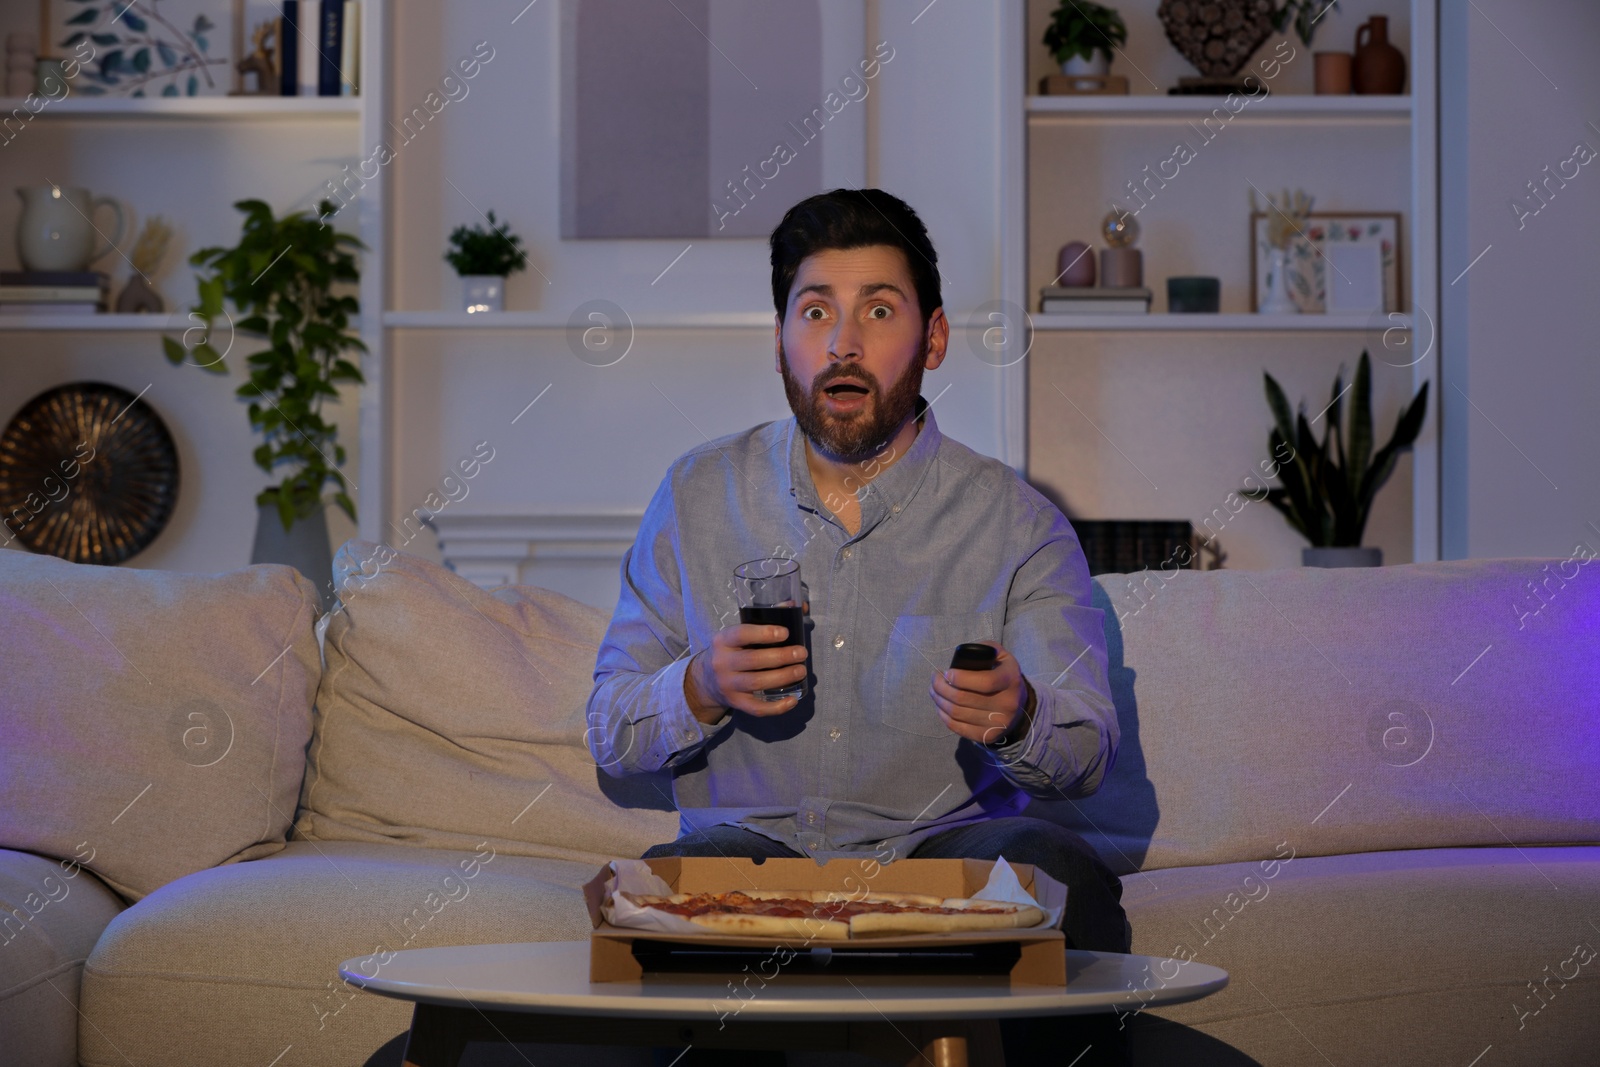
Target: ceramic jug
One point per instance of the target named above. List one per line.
(56, 231)
(1379, 66)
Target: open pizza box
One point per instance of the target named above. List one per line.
(1039, 957)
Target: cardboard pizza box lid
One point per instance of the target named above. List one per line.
(1042, 962)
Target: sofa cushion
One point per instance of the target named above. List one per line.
(234, 964)
(51, 914)
(1421, 956)
(1416, 706)
(154, 722)
(450, 716)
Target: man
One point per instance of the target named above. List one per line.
(909, 543)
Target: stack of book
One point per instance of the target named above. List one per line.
(318, 47)
(53, 292)
(1088, 300)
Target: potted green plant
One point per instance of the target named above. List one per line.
(1328, 486)
(288, 280)
(1306, 15)
(483, 258)
(1081, 36)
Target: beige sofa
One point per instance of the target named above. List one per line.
(1369, 795)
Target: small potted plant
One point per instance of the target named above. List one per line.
(483, 258)
(1328, 486)
(290, 280)
(1306, 15)
(1081, 36)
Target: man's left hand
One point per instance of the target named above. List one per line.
(984, 706)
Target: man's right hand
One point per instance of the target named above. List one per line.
(728, 674)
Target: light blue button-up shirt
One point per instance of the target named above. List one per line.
(953, 546)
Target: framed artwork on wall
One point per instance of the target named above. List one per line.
(145, 47)
(1309, 265)
(709, 118)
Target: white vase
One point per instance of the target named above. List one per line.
(482, 292)
(1278, 301)
(1098, 64)
(55, 231)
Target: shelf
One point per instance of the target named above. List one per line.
(1239, 323)
(558, 320)
(73, 322)
(1182, 108)
(190, 107)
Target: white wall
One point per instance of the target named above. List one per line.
(1519, 331)
(601, 437)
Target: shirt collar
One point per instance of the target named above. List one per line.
(891, 488)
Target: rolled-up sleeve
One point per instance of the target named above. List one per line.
(1058, 639)
(638, 716)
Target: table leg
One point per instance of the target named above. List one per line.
(941, 1052)
(437, 1039)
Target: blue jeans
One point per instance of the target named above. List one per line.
(1094, 918)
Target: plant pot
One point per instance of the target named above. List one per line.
(482, 292)
(1341, 557)
(304, 547)
(1332, 73)
(1098, 64)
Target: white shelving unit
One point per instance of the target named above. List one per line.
(289, 108)
(364, 116)
(1216, 323)
(555, 320)
(1278, 108)
(1025, 117)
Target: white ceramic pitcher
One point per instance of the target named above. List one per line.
(56, 231)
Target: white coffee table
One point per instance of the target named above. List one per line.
(540, 992)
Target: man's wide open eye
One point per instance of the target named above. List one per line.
(806, 314)
(877, 308)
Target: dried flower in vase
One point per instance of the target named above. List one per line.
(1286, 218)
(148, 252)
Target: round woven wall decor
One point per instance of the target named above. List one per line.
(1217, 36)
(88, 472)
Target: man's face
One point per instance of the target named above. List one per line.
(852, 348)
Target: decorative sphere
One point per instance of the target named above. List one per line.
(1120, 228)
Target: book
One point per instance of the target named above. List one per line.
(289, 49)
(310, 47)
(1088, 300)
(49, 294)
(78, 308)
(330, 46)
(55, 277)
(350, 60)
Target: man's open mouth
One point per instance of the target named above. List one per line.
(847, 389)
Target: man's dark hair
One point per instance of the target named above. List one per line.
(854, 218)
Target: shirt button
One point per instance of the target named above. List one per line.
(838, 641)
(847, 553)
(812, 845)
(833, 734)
(895, 509)
(811, 817)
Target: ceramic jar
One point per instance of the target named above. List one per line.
(1379, 67)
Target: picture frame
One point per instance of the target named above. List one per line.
(132, 48)
(1307, 275)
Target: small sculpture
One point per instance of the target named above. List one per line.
(139, 296)
(259, 63)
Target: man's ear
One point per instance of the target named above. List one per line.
(777, 344)
(938, 338)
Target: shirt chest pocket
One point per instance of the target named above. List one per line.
(919, 647)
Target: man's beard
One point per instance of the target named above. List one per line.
(857, 435)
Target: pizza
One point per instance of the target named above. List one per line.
(824, 915)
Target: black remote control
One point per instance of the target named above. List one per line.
(972, 656)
